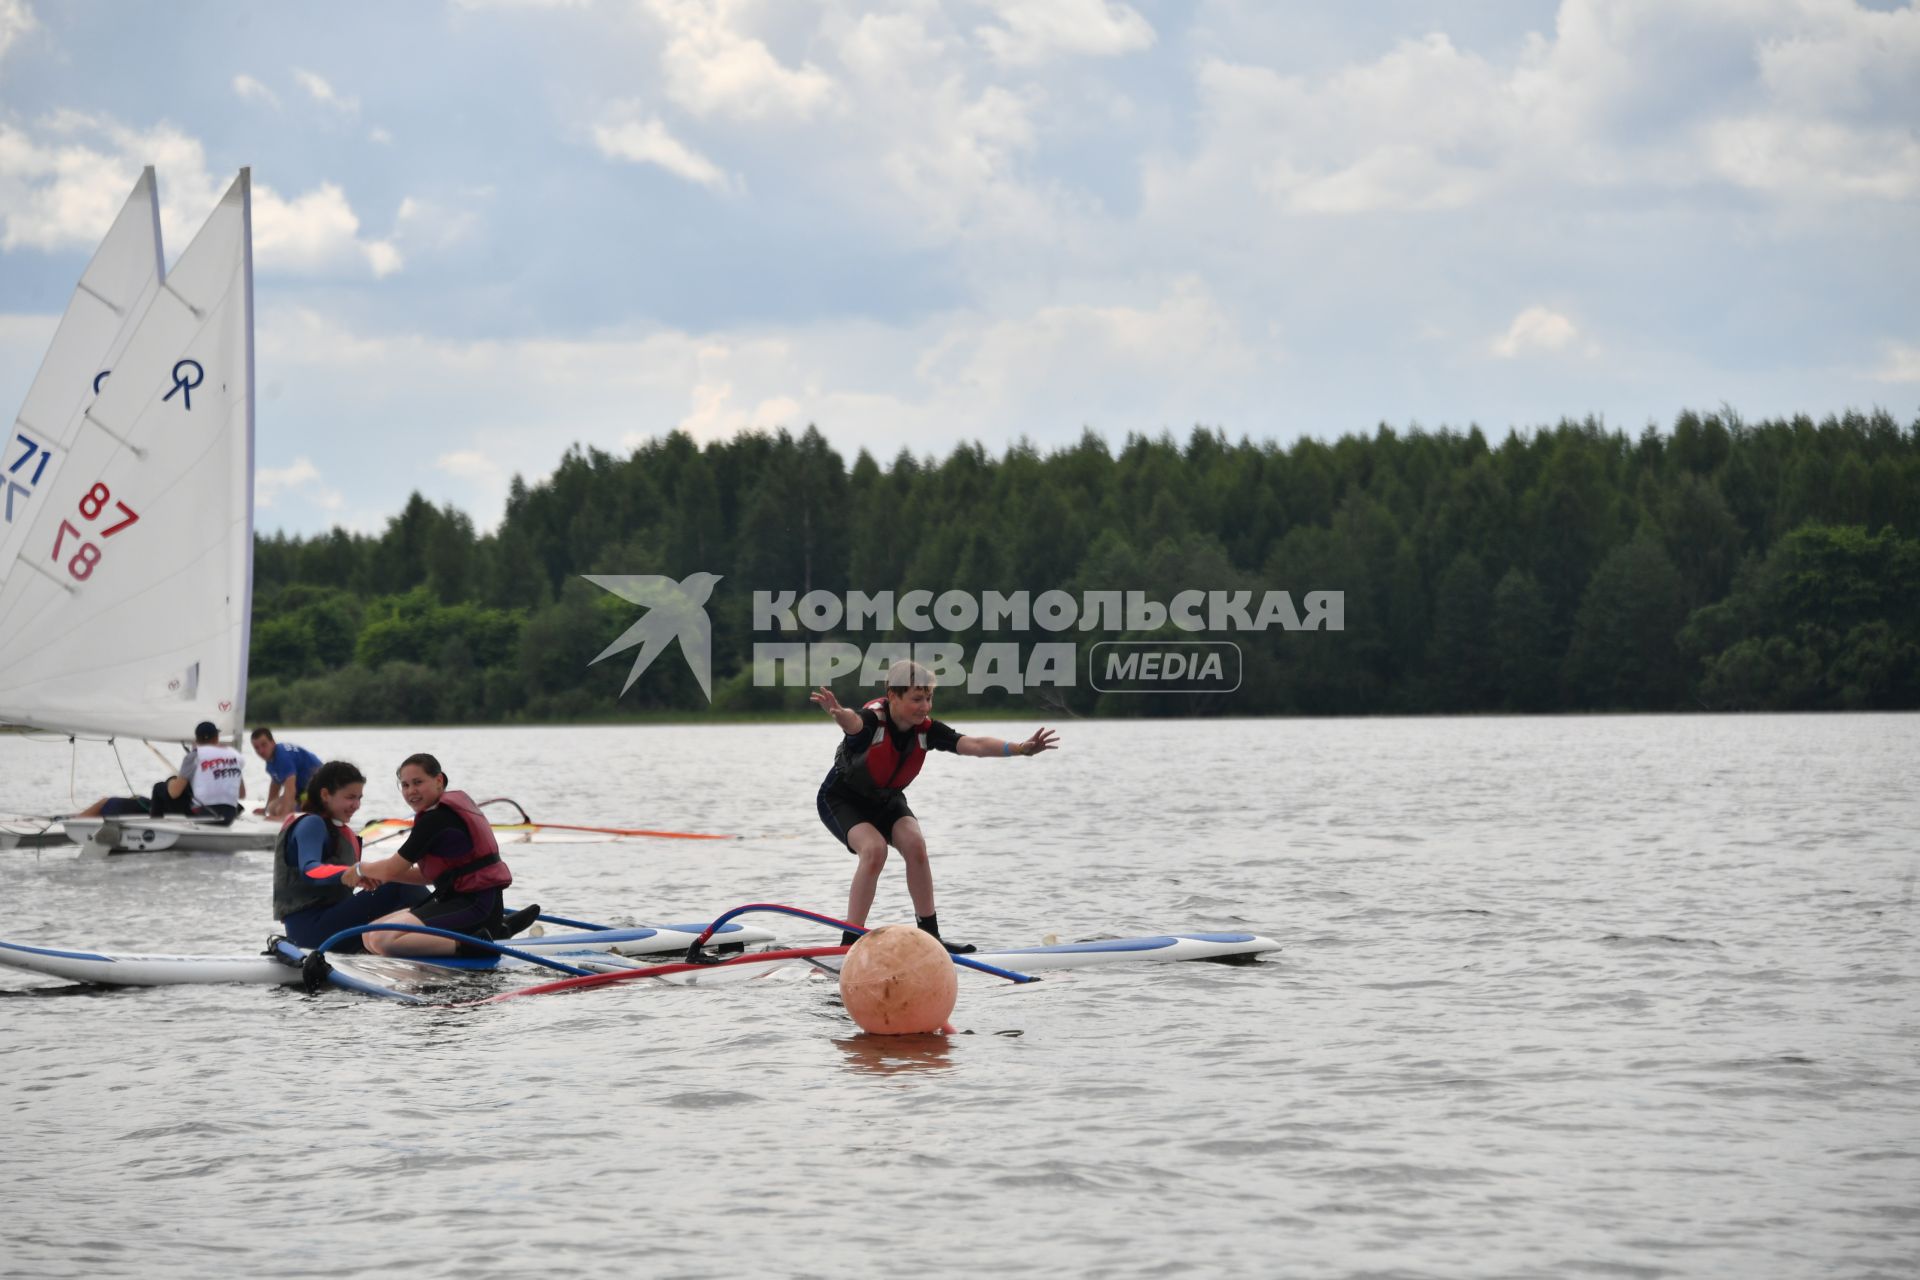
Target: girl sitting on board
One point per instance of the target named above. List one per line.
(311, 899)
(863, 799)
(452, 848)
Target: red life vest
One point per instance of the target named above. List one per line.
(466, 875)
(884, 766)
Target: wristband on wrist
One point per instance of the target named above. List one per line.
(1006, 748)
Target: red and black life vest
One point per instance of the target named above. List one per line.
(458, 877)
(873, 765)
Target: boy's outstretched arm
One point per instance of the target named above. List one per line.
(847, 718)
(1042, 740)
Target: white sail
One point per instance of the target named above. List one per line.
(125, 608)
(114, 290)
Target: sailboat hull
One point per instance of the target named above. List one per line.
(135, 834)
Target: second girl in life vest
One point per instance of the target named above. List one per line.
(451, 847)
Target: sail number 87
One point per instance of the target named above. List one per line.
(92, 503)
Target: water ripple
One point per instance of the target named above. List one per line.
(1621, 996)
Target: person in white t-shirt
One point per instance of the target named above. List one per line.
(209, 784)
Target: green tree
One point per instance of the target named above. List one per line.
(1462, 651)
(696, 538)
(1521, 633)
(1623, 654)
(1701, 537)
(1792, 543)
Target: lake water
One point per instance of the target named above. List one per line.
(1559, 997)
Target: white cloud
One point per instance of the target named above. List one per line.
(712, 69)
(957, 165)
(1785, 155)
(1036, 30)
(949, 151)
(322, 92)
(436, 224)
(469, 464)
(383, 257)
(314, 232)
(1412, 130)
(1807, 100)
(380, 136)
(898, 45)
(715, 413)
(62, 183)
(252, 90)
(1066, 352)
(1535, 329)
(16, 20)
(646, 141)
(486, 479)
(1237, 218)
(1843, 58)
(1901, 362)
(300, 480)
(1128, 364)
(936, 155)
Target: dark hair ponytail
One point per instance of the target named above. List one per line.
(331, 776)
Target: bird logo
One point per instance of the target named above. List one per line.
(673, 609)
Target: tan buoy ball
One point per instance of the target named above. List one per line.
(899, 981)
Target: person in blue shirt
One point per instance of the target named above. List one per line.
(316, 865)
(290, 769)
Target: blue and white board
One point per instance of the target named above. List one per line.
(392, 978)
(116, 969)
(1227, 947)
(1230, 948)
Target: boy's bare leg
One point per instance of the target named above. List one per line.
(913, 850)
(870, 847)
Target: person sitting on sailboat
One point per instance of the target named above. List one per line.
(312, 898)
(452, 848)
(208, 785)
(290, 770)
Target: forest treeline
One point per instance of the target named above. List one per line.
(1719, 565)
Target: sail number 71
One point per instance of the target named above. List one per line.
(24, 491)
(92, 503)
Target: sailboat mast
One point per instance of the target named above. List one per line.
(246, 576)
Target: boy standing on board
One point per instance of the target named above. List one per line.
(863, 801)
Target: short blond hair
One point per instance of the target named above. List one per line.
(907, 674)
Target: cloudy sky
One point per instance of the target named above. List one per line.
(486, 229)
